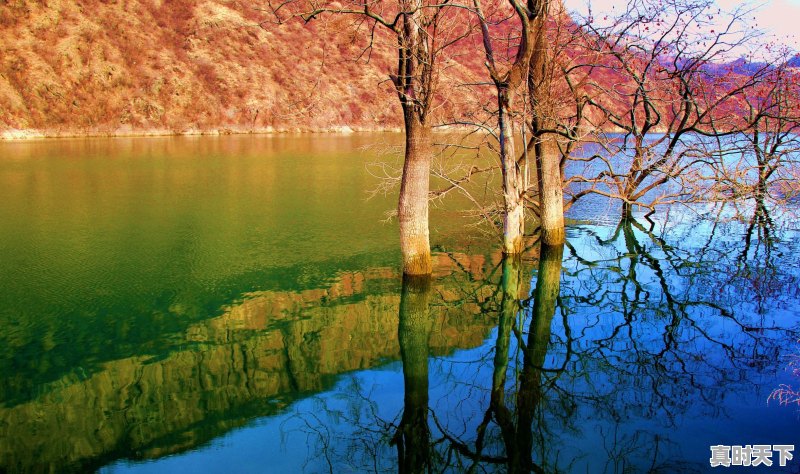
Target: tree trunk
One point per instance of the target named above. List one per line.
(763, 175)
(627, 211)
(513, 180)
(551, 195)
(412, 208)
(548, 155)
(634, 174)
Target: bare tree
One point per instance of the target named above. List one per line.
(529, 76)
(422, 32)
(762, 162)
(543, 124)
(660, 83)
(508, 85)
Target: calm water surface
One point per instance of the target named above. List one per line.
(226, 304)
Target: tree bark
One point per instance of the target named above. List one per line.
(551, 195)
(513, 183)
(507, 84)
(548, 155)
(412, 208)
(633, 179)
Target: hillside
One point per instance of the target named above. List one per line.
(118, 67)
(132, 66)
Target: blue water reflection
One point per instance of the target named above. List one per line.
(634, 348)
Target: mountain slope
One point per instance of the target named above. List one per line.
(122, 66)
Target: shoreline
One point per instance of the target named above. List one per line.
(21, 135)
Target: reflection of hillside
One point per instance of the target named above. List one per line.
(257, 357)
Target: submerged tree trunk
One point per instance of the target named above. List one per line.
(513, 180)
(414, 83)
(551, 195)
(413, 435)
(633, 179)
(627, 211)
(507, 84)
(412, 208)
(548, 155)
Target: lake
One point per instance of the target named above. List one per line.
(234, 304)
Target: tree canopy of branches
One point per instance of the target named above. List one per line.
(422, 31)
(645, 107)
(663, 81)
(762, 161)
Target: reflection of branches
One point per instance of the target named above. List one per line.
(515, 420)
(362, 447)
(643, 326)
(752, 264)
(690, 325)
(631, 326)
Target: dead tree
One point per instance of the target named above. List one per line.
(422, 33)
(761, 163)
(666, 95)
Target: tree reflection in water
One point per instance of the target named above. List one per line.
(413, 436)
(612, 363)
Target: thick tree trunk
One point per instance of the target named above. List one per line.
(507, 84)
(627, 211)
(513, 179)
(548, 155)
(551, 195)
(412, 208)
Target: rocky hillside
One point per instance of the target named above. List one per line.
(131, 66)
(74, 67)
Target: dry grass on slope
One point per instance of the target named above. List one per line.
(123, 66)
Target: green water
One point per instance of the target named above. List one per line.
(234, 303)
(110, 247)
(125, 258)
